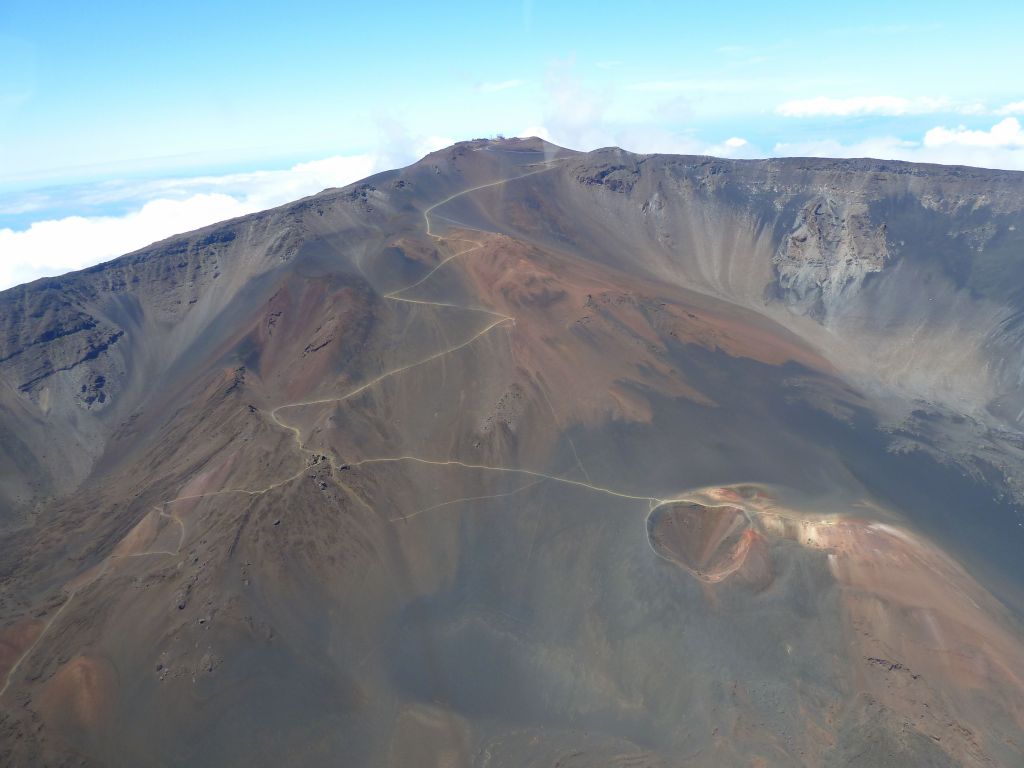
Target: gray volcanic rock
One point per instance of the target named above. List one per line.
(525, 456)
(826, 257)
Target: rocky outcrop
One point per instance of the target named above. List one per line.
(612, 169)
(50, 332)
(832, 247)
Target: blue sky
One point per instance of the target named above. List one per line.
(200, 110)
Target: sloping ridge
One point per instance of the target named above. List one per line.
(521, 455)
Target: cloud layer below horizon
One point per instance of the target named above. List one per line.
(158, 209)
(136, 213)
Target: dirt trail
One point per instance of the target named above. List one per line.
(393, 295)
(652, 501)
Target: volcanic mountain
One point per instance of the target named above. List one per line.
(521, 456)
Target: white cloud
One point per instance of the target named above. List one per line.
(535, 130)
(569, 100)
(646, 139)
(430, 144)
(59, 245)
(576, 116)
(732, 147)
(504, 85)
(1006, 133)
(1000, 147)
(825, 106)
(164, 207)
(1013, 108)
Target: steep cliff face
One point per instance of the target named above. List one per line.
(904, 276)
(527, 456)
(831, 249)
(81, 356)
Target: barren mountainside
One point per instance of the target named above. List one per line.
(521, 456)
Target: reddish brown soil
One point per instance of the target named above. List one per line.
(710, 542)
(14, 639)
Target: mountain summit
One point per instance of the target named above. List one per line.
(526, 456)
